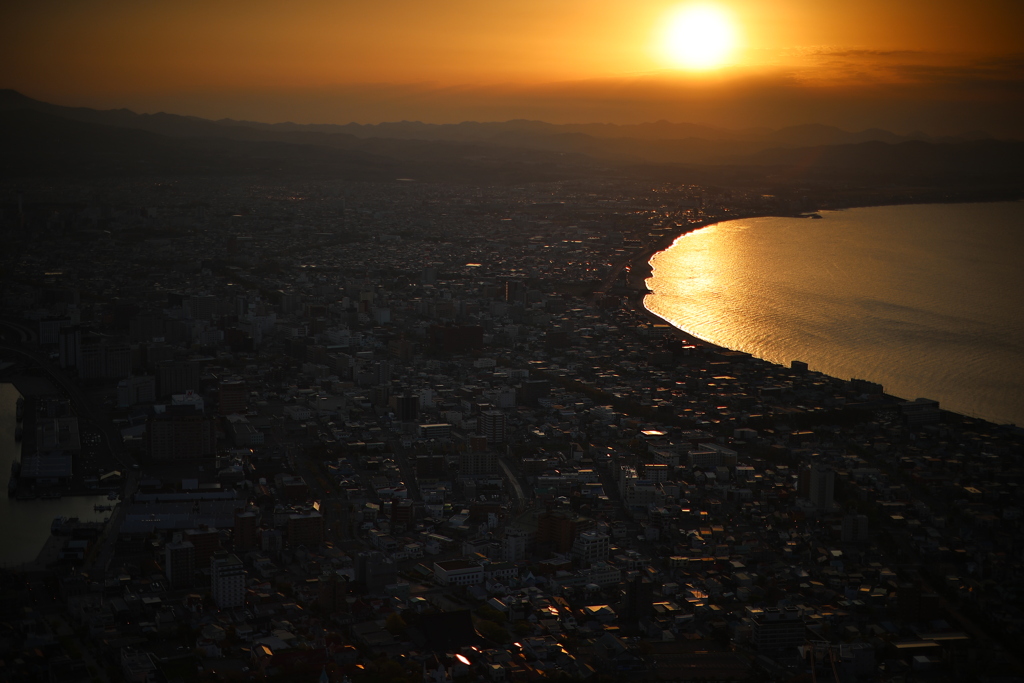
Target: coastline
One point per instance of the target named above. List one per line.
(640, 269)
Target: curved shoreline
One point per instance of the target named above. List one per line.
(641, 269)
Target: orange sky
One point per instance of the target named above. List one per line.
(894, 63)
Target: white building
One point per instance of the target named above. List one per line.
(458, 573)
(515, 544)
(591, 546)
(227, 580)
(604, 574)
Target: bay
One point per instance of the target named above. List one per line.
(25, 524)
(927, 300)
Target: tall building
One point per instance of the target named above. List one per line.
(232, 396)
(491, 424)
(69, 340)
(246, 532)
(227, 580)
(637, 598)
(103, 358)
(179, 562)
(403, 514)
(376, 570)
(515, 544)
(333, 591)
(822, 486)
(206, 542)
(406, 407)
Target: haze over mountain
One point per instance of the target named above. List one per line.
(44, 138)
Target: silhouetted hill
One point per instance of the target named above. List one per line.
(46, 139)
(38, 143)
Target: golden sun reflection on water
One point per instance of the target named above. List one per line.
(927, 300)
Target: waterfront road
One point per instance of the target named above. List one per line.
(513, 480)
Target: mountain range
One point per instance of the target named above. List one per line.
(44, 139)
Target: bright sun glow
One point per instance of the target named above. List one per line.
(699, 37)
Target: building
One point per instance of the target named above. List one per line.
(135, 390)
(180, 432)
(775, 631)
(200, 307)
(501, 572)
(439, 431)
(710, 455)
(104, 358)
(656, 472)
(69, 340)
(604, 574)
(406, 406)
(246, 531)
(558, 529)
(243, 433)
(333, 592)
(232, 397)
(179, 562)
(515, 544)
(49, 330)
(637, 598)
(491, 425)
(458, 573)
(478, 464)
(921, 411)
(822, 486)
(291, 487)
(177, 377)
(375, 570)
(206, 542)
(305, 528)
(54, 467)
(403, 513)
(227, 580)
(590, 547)
(430, 466)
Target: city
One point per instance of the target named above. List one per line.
(427, 432)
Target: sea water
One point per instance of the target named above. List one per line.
(927, 300)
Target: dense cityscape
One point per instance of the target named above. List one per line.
(427, 432)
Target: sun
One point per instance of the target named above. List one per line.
(699, 37)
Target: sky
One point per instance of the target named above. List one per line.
(940, 66)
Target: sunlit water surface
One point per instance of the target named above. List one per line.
(927, 300)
